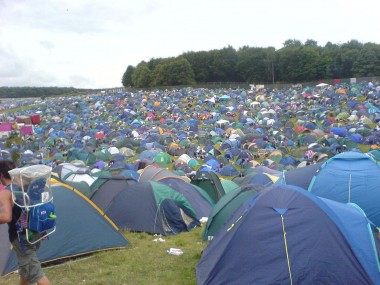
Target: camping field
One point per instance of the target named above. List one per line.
(263, 167)
(145, 261)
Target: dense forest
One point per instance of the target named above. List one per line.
(295, 62)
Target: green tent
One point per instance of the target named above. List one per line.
(216, 139)
(342, 116)
(229, 185)
(103, 155)
(81, 230)
(276, 156)
(80, 154)
(102, 176)
(225, 207)
(210, 182)
(375, 153)
(162, 159)
(184, 143)
(81, 186)
(193, 162)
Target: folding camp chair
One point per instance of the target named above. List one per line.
(31, 192)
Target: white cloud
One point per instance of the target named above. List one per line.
(90, 43)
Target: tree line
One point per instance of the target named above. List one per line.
(25, 92)
(295, 62)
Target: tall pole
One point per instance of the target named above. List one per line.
(272, 73)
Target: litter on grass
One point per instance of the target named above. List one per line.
(175, 251)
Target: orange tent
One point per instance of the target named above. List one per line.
(341, 91)
(204, 116)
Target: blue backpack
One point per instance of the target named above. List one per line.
(42, 218)
(37, 220)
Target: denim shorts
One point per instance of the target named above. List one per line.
(28, 262)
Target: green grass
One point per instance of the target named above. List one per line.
(143, 262)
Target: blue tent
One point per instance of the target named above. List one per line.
(150, 207)
(230, 143)
(342, 132)
(285, 235)
(254, 178)
(81, 229)
(225, 98)
(148, 154)
(300, 177)
(357, 138)
(213, 163)
(130, 173)
(228, 154)
(288, 160)
(205, 168)
(197, 197)
(350, 177)
(228, 170)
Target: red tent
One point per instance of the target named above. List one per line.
(35, 119)
(301, 129)
(99, 135)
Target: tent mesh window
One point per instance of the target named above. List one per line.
(165, 224)
(186, 218)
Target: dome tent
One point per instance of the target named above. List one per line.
(150, 207)
(350, 177)
(92, 232)
(280, 218)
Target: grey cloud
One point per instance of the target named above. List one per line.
(16, 71)
(46, 44)
(11, 65)
(80, 17)
(78, 80)
(55, 16)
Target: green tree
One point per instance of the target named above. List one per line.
(328, 66)
(299, 63)
(349, 52)
(14, 138)
(294, 62)
(142, 76)
(310, 60)
(256, 64)
(201, 64)
(127, 76)
(292, 43)
(21, 92)
(368, 61)
(311, 43)
(16, 156)
(154, 62)
(288, 62)
(174, 72)
(223, 67)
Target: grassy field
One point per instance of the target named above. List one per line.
(143, 262)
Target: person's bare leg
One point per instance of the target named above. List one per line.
(43, 281)
(23, 281)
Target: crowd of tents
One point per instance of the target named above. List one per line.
(283, 182)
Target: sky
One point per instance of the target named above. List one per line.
(90, 43)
